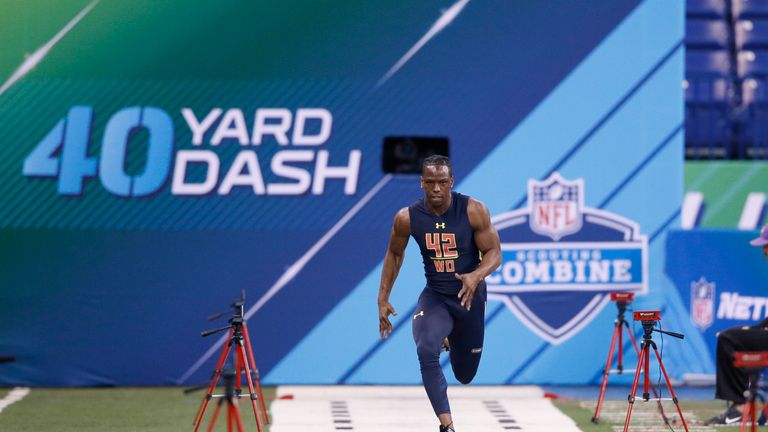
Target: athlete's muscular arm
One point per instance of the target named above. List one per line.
(398, 240)
(487, 241)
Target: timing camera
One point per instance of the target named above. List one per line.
(648, 315)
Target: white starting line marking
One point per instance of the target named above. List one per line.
(646, 416)
(15, 395)
(407, 409)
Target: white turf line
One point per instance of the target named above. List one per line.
(15, 395)
(407, 409)
(646, 417)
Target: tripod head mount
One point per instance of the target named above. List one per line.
(622, 299)
(648, 319)
(236, 322)
(238, 305)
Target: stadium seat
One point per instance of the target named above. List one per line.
(708, 132)
(705, 8)
(713, 91)
(753, 91)
(752, 121)
(706, 34)
(743, 9)
(751, 34)
(707, 120)
(707, 63)
(708, 100)
(753, 63)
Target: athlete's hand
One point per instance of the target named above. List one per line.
(385, 327)
(469, 284)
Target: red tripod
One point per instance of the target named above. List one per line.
(622, 299)
(753, 363)
(244, 362)
(648, 319)
(233, 410)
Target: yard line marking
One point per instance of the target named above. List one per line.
(15, 395)
(645, 416)
(407, 409)
(36, 57)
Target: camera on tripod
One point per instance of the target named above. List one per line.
(239, 344)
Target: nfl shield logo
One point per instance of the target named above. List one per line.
(556, 206)
(702, 302)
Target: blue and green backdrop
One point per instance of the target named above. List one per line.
(158, 158)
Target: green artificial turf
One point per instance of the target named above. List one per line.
(160, 409)
(150, 409)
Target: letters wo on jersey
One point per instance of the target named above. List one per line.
(560, 259)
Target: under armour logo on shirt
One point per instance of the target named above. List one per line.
(440, 225)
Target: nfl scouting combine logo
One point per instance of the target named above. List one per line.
(560, 259)
(702, 303)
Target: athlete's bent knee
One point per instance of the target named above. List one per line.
(465, 378)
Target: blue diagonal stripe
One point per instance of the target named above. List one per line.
(511, 378)
(640, 166)
(377, 346)
(611, 112)
(666, 225)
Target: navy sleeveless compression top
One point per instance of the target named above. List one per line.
(447, 243)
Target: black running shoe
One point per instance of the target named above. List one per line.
(446, 428)
(731, 416)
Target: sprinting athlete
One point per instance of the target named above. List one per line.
(459, 247)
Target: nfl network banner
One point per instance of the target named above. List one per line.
(720, 277)
(560, 259)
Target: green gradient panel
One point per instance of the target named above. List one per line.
(725, 186)
(240, 39)
(26, 25)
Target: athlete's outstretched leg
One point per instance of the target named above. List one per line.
(431, 324)
(466, 339)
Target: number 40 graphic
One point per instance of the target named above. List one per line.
(63, 152)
